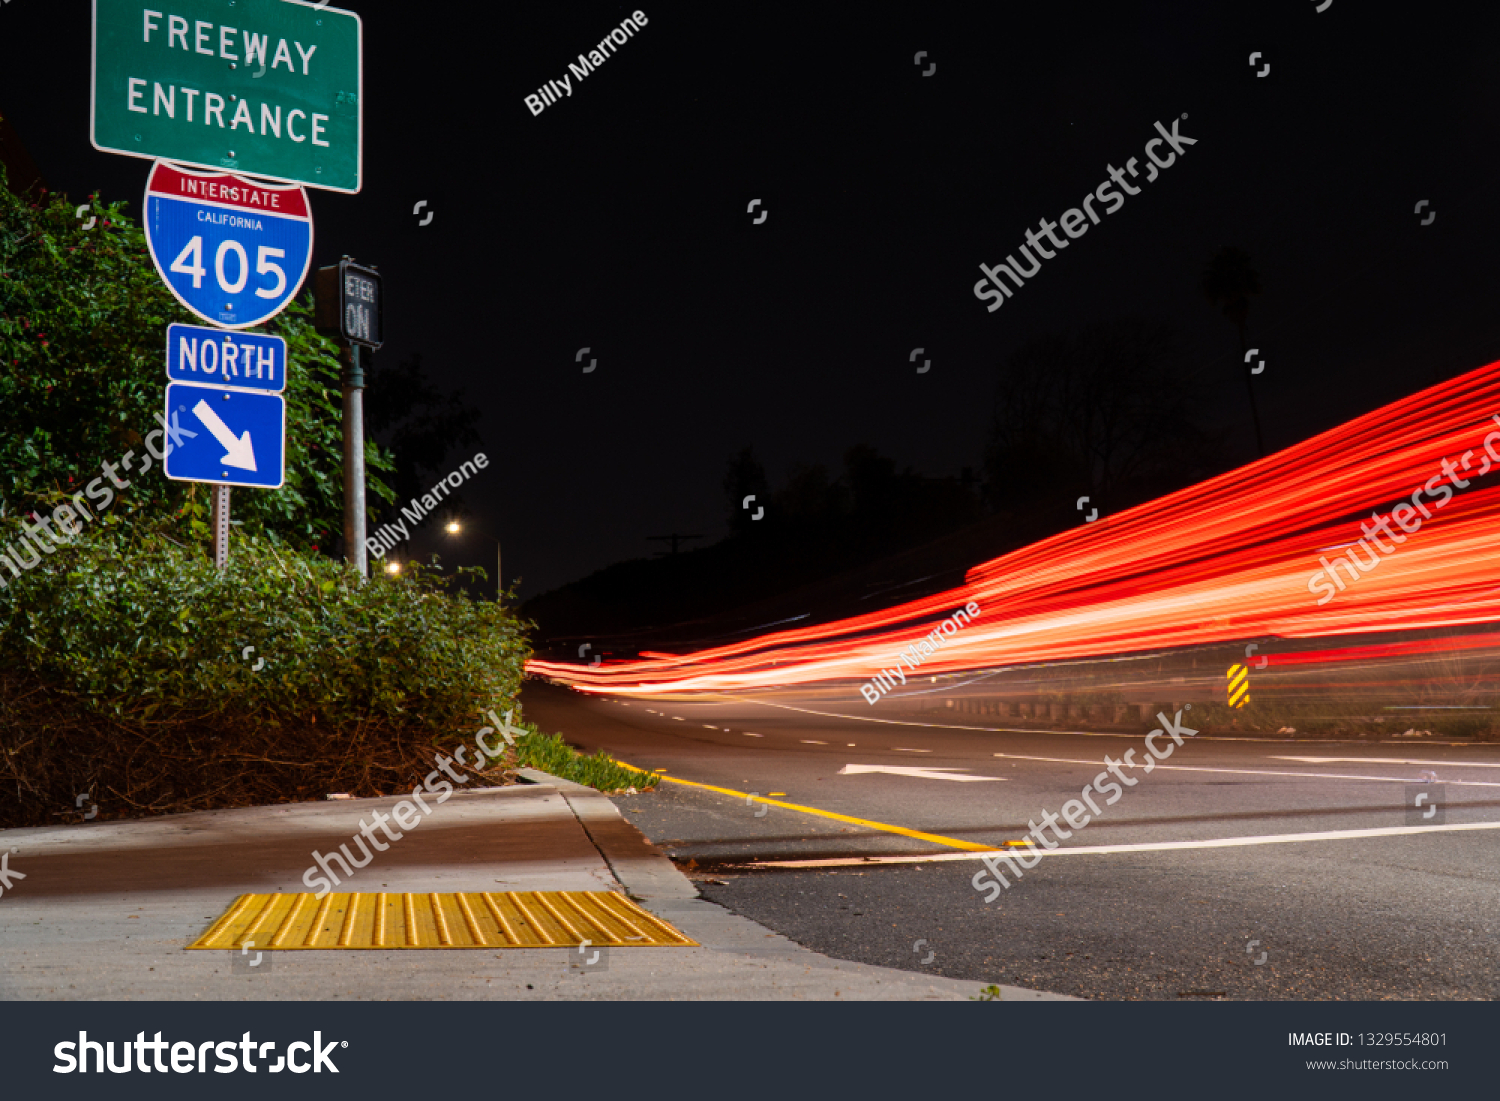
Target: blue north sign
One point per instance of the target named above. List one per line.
(234, 252)
(248, 360)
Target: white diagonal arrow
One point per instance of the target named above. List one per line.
(920, 773)
(237, 452)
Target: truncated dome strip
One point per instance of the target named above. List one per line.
(302, 922)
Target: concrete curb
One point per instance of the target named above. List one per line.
(651, 878)
(537, 776)
(642, 869)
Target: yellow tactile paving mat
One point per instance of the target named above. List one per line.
(489, 919)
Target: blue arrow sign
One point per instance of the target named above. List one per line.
(242, 360)
(224, 436)
(232, 251)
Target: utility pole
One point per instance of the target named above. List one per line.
(350, 308)
(354, 461)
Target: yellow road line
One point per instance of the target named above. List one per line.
(936, 839)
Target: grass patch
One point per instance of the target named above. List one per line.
(550, 754)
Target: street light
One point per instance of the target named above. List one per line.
(453, 527)
(393, 567)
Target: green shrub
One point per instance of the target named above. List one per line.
(126, 676)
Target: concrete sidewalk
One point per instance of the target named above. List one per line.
(106, 910)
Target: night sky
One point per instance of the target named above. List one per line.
(617, 220)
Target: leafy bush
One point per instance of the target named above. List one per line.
(126, 675)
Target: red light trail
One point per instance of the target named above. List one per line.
(1234, 557)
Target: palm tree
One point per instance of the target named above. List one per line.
(1229, 282)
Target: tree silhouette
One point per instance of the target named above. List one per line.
(1108, 410)
(1229, 281)
(423, 427)
(745, 477)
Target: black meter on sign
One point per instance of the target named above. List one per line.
(349, 304)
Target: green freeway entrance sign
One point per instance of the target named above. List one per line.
(268, 88)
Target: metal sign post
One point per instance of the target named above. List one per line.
(349, 308)
(221, 526)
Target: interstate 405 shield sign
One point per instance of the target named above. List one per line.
(233, 251)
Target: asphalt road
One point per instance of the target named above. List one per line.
(1406, 913)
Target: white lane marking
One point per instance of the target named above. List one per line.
(707, 727)
(903, 749)
(920, 773)
(1389, 761)
(1143, 847)
(1260, 772)
(747, 734)
(1019, 729)
(809, 741)
(934, 726)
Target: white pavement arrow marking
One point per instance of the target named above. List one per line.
(919, 773)
(237, 452)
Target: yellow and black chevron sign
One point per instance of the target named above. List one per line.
(1239, 685)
